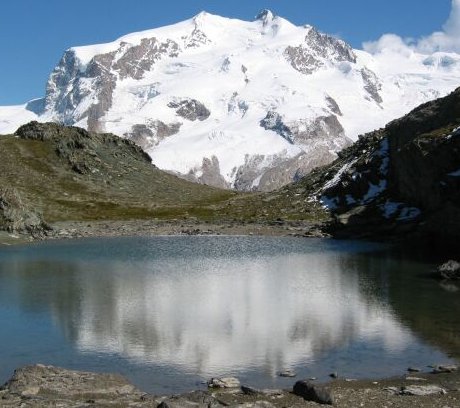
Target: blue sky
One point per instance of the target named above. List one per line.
(34, 33)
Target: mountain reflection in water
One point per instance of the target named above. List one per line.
(209, 305)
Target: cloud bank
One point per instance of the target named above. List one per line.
(447, 40)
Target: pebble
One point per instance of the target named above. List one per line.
(334, 375)
(288, 373)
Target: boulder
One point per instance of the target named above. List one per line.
(42, 385)
(422, 390)
(226, 382)
(449, 270)
(311, 392)
(18, 216)
(444, 369)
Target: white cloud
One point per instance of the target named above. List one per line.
(388, 42)
(447, 40)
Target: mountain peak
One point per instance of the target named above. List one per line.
(202, 15)
(266, 16)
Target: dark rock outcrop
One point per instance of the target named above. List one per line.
(312, 392)
(149, 135)
(78, 146)
(372, 84)
(190, 109)
(401, 179)
(274, 121)
(449, 270)
(310, 56)
(18, 216)
(333, 105)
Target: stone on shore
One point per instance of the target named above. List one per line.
(288, 373)
(226, 382)
(48, 383)
(311, 392)
(422, 390)
(444, 369)
(449, 270)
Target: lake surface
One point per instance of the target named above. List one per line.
(172, 312)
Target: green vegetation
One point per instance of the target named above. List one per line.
(99, 180)
(66, 173)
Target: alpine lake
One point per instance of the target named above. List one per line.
(170, 313)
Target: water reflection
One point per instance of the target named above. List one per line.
(206, 306)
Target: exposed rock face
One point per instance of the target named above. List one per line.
(294, 169)
(144, 55)
(190, 109)
(372, 84)
(69, 86)
(318, 138)
(322, 130)
(149, 135)
(406, 176)
(208, 173)
(17, 216)
(274, 121)
(316, 50)
(333, 105)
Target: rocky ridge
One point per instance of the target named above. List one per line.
(55, 173)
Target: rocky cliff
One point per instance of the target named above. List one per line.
(402, 179)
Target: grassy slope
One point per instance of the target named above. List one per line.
(120, 187)
(70, 174)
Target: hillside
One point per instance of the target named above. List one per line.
(67, 173)
(401, 180)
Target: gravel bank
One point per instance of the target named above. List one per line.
(47, 386)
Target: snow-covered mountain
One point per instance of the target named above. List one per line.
(231, 103)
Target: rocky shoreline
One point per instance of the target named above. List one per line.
(48, 386)
(94, 229)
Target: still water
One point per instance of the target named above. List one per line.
(172, 312)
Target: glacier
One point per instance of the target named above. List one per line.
(250, 105)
